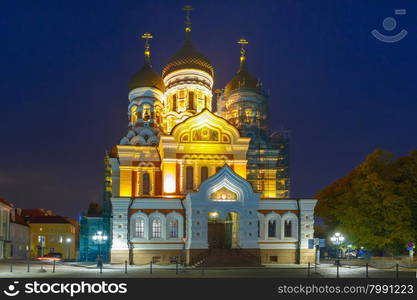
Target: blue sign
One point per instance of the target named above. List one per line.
(322, 243)
(311, 244)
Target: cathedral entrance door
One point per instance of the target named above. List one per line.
(216, 231)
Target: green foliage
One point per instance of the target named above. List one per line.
(375, 205)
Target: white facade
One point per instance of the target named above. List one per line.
(19, 241)
(4, 228)
(264, 224)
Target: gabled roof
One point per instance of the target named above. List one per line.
(49, 220)
(4, 201)
(206, 118)
(35, 212)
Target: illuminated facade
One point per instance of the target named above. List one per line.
(189, 178)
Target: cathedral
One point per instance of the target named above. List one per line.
(201, 179)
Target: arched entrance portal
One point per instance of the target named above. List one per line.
(223, 234)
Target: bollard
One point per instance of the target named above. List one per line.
(367, 270)
(396, 271)
(101, 268)
(11, 267)
(308, 272)
(176, 267)
(125, 266)
(53, 268)
(28, 267)
(150, 267)
(337, 268)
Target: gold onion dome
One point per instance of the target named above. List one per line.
(188, 58)
(243, 79)
(146, 77)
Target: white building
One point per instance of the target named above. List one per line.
(19, 236)
(5, 209)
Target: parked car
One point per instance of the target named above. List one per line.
(54, 256)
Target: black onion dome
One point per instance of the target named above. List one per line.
(243, 79)
(146, 77)
(188, 58)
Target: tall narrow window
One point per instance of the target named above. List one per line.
(204, 173)
(173, 228)
(146, 184)
(287, 228)
(248, 116)
(206, 104)
(189, 178)
(259, 228)
(134, 114)
(146, 112)
(140, 228)
(191, 100)
(174, 102)
(156, 228)
(272, 228)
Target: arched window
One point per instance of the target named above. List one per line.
(146, 112)
(204, 174)
(146, 184)
(156, 228)
(248, 116)
(173, 228)
(287, 228)
(272, 228)
(139, 228)
(189, 178)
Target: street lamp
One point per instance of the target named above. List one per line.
(99, 238)
(68, 240)
(337, 239)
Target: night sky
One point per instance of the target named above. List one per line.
(65, 67)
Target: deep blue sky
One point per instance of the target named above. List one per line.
(65, 67)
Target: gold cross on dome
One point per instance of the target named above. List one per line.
(242, 43)
(147, 36)
(187, 8)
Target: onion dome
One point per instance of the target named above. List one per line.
(188, 58)
(243, 79)
(146, 77)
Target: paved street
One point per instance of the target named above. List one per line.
(74, 270)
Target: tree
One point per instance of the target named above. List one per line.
(375, 204)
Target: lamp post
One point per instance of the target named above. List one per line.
(184, 240)
(99, 238)
(68, 240)
(349, 250)
(337, 239)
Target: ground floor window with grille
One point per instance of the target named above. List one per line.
(140, 228)
(156, 228)
(173, 228)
